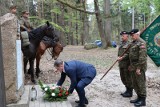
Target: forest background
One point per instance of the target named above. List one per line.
(84, 21)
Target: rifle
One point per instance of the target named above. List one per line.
(116, 61)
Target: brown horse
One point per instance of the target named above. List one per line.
(56, 50)
(35, 37)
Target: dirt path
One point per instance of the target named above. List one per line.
(105, 93)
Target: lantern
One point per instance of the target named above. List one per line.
(33, 94)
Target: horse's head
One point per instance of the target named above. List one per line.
(57, 49)
(49, 30)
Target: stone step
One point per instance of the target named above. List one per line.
(24, 101)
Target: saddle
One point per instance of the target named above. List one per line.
(25, 38)
(49, 41)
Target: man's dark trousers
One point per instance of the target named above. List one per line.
(80, 89)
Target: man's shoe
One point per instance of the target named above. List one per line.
(86, 101)
(141, 102)
(80, 105)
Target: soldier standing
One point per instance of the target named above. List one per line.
(138, 67)
(123, 66)
(25, 22)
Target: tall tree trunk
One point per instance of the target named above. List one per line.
(100, 24)
(61, 23)
(42, 9)
(133, 20)
(69, 27)
(85, 30)
(52, 14)
(82, 28)
(71, 33)
(76, 28)
(72, 38)
(39, 9)
(120, 26)
(107, 25)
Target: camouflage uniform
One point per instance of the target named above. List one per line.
(138, 60)
(25, 27)
(123, 66)
(25, 24)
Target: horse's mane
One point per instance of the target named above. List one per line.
(37, 33)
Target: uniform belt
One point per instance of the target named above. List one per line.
(134, 60)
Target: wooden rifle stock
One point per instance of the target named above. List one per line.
(115, 62)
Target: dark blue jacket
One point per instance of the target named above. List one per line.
(76, 70)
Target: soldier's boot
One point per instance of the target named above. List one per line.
(128, 93)
(136, 100)
(124, 92)
(141, 102)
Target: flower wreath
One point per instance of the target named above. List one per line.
(54, 93)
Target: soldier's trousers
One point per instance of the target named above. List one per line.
(126, 77)
(139, 83)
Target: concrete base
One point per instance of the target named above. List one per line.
(24, 102)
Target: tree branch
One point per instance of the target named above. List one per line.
(75, 7)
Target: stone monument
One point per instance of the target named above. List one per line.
(12, 59)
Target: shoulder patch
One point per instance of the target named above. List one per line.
(143, 46)
(125, 46)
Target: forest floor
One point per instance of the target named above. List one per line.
(106, 92)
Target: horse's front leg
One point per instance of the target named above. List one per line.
(25, 51)
(25, 61)
(38, 57)
(31, 62)
(41, 49)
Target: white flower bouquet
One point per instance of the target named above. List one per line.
(54, 93)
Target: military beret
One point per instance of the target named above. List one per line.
(124, 32)
(12, 7)
(133, 31)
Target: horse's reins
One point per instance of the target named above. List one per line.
(50, 53)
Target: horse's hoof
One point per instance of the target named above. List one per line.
(29, 71)
(37, 74)
(24, 71)
(38, 70)
(34, 81)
